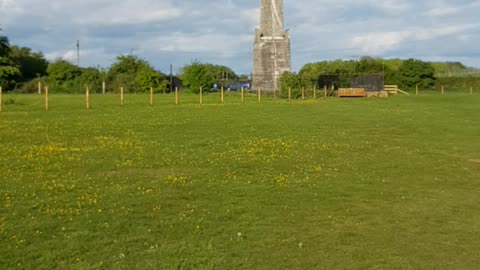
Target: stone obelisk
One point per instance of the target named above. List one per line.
(271, 47)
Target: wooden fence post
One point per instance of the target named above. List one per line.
(201, 95)
(87, 97)
(121, 96)
(303, 93)
(103, 87)
(1, 93)
(325, 91)
(46, 98)
(471, 90)
(314, 92)
(222, 95)
(176, 95)
(259, 94)
(443, 90)
(289, 94)
(417, 90)
(151, 96)
(243, 95)
(39, 88)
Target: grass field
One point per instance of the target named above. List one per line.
(326, 184)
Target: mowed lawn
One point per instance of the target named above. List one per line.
(326, 184)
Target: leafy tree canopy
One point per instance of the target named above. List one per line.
(9, 72)
(31, 64)
(291, 81)
(61, 71)
(198, 75)
(135, 75)
(416, 72)
(4, 45)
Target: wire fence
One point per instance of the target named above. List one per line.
(223, 97)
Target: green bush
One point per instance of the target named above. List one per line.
(291, 81)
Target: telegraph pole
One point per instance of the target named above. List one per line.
(78, 60)
(78, 53)
(171, 78)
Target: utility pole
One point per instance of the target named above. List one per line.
(78, 53)
(171, 78)
(78, 60)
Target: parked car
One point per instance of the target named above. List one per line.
(239, 85)
(216, 87)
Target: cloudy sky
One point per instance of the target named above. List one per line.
(221, 31)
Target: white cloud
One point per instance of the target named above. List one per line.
(375, 43)
(69, 55)
(126, 14)
(442, 11)
(217, 43)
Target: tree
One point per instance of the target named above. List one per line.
(198, 75)
(291, 81)
(148, 78)
(62, 72)
(31, 64)
(415, 72)
(8, 71)
(4, 45)
(134, 74)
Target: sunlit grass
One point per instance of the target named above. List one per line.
(325, 184)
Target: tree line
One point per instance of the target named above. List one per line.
(21, 69)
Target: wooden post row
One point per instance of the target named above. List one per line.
(151, 96)
(87, 97)
(46, 98)
(222, 93)
(176, 95)
(121, 96)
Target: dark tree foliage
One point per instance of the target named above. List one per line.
(4, 45)
(416, 72)
(31, 64)
(9, 72)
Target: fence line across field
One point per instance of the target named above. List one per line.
(301, 94)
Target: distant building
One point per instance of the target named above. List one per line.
(271, 47)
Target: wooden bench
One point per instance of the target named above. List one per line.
(391, 89)
(352, 92)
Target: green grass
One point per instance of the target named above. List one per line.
(326, 184)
